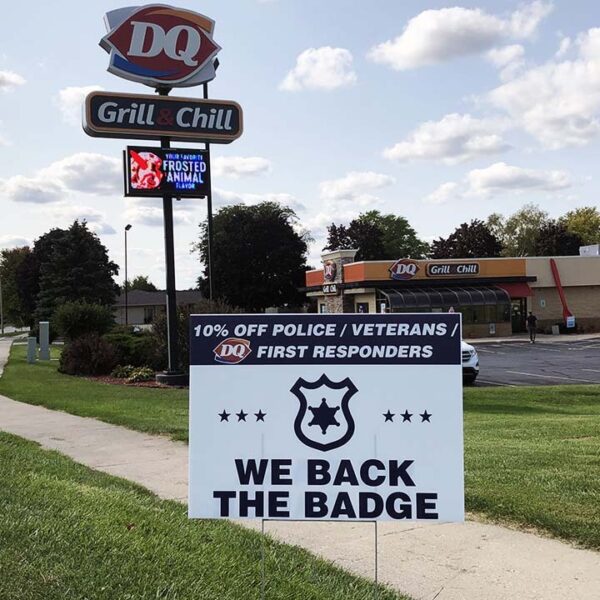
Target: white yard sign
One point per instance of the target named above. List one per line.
(344, 417)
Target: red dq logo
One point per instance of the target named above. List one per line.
(232, 351)
(160, 45)
(404, 269)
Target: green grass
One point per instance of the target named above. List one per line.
(68, 532)
(152, 410)
(532, 455)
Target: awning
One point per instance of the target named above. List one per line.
(444, 297)
(516, 290)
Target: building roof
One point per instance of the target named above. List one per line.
(143, 298)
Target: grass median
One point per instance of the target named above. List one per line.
(532, 454)
(70, 533)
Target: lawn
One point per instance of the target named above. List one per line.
(532, 455)
(68, 532)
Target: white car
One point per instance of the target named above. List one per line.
(470, 362)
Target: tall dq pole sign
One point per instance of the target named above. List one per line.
(165, 47)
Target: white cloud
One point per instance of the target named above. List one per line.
(13, 241)
(239, 166)
(83, 172)
(70, 102)
(324, 68)
(436, 36)
(453, 139)
(558, 102)
(223, 197)
(65, 212)
(443, 193)
(501, 57)
(354, 187)
(152, 216)
(9, 80)
(564, 47)
(501, 177)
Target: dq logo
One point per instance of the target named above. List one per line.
(232, 351)
(160, 45)
(330, 270)
(404, 269)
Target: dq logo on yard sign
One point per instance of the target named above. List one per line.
(404, 269)
(160, 45)
(232, 351)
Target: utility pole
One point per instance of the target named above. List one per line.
(1, 309)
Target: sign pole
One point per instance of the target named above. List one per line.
(209, 215)
(173, 375)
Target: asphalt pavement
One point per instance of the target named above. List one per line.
(517, 363)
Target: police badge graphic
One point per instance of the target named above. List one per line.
(324, 420)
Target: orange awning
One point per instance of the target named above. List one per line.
(516, 290)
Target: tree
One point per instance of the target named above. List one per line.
(470, 240)
(259, 258)
(10, 262)
(399, 238)
(585, 222)
(518, 232)
(554, 239)
(377, 237)
(77, 268)
(141, 282)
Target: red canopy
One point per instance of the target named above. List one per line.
(516, 290)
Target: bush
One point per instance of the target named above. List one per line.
(141, 374)
(75, 319)
(87, 355)
(159, 330)
(122, 372)
(135, 349)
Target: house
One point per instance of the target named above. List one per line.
(143, 307)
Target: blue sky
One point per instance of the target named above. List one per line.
(438, 111)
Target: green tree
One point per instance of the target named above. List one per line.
(76, 268)
(141, 282)
(259, 257)
(585, 222)
(10, 262)
(377, 237)
(470, 240)
(518, 233)
(554, 239)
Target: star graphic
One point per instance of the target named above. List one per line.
(324, 416)
(406, 416)
(389, 416)
(425, 417)
(225, 416)
(260, 415)
(241, 415)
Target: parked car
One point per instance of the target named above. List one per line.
(470, 362)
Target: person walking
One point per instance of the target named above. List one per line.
(532, 327)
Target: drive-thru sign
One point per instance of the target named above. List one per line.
(343, 417)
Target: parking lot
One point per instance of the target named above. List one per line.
(542, 363)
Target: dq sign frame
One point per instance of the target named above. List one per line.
(160, 46)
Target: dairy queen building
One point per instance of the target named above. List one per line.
(494, 295)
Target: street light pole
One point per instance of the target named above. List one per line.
(127, 228)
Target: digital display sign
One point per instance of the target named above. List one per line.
(157, 172)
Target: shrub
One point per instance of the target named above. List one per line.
(122, 372)
(135, 349)
(140, 374)
(75, 319)
(159, 330)
(87, 355)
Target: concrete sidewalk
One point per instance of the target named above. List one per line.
(448, 562)
(541, 338)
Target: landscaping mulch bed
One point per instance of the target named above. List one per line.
(116, 381)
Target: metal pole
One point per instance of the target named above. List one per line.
(209, 216)
(127, 228)
(172, 329)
